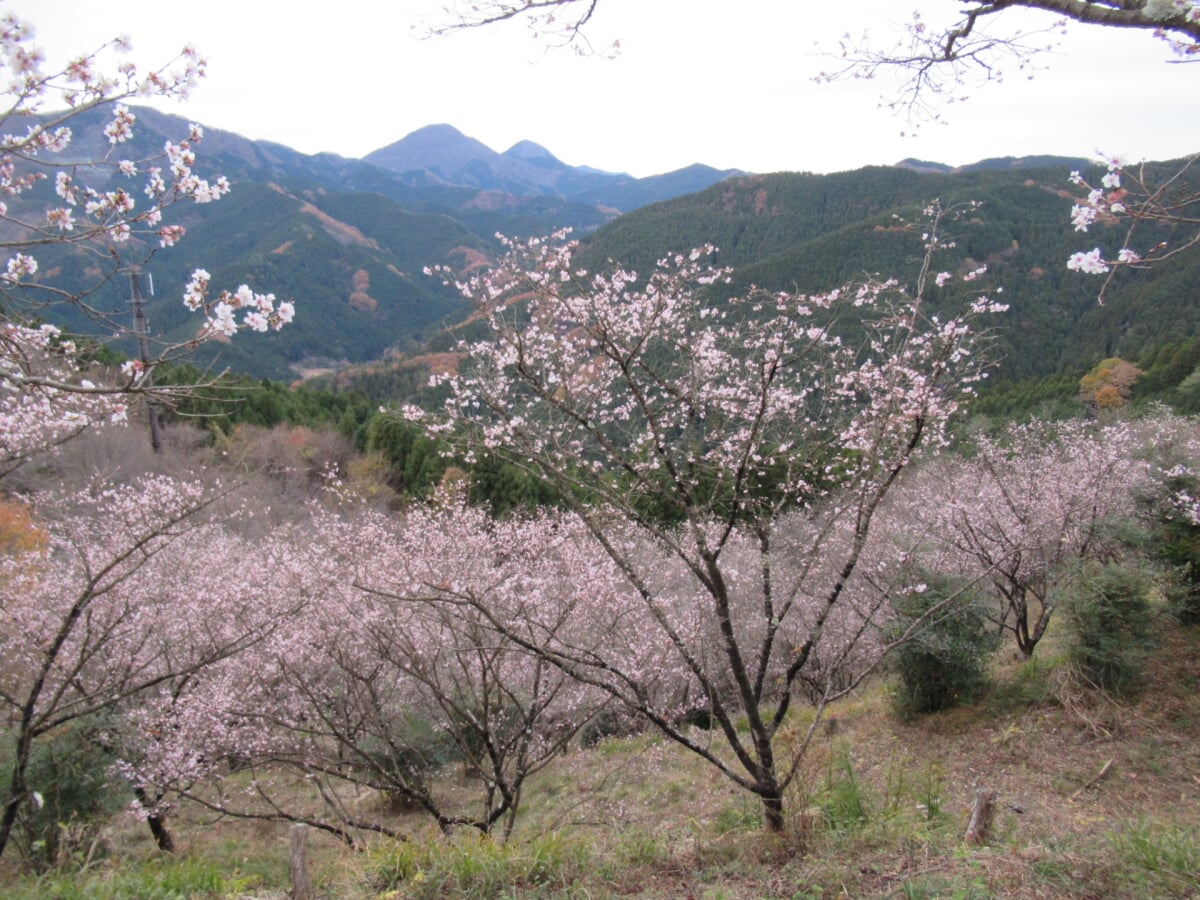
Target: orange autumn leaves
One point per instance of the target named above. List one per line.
(22, 544)
(18, 533)
(1109, 384)
(359, 298)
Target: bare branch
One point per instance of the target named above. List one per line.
(942, 65)
(556, 23)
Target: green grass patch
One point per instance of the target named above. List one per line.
(1159, 859)
(183, 878)
(475, 866)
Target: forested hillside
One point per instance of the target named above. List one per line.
(347, 241)
(796, 231)
(813, 232)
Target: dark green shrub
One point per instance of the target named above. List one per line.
(414, 751)
(1109, 617)
(945, 662)
(68, 775)
(1172, 538)
(1183, 602)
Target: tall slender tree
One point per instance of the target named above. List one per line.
(684, 428)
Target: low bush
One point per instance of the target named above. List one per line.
(1109, 618)
(70, 798)
(945, 662)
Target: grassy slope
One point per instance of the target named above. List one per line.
(881, 814)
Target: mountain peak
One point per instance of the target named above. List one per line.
(530, 151)
(439, 130)
(441, 149)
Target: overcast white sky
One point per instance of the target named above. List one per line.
(724, 83)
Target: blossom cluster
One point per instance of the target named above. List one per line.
(44, 399)
(1184, 503)
(112, 214)
(113, 203)
(260, 312)
(1103, 203)
(1127, 196)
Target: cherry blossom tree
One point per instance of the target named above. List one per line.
(684, 428)
(1022, 506)
(391, 679)
(172, 738)
(133, 590)
(97, 208)
(509, 712)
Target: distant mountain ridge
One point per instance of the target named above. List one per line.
(453, 158)
(348, 239)
(997, 164)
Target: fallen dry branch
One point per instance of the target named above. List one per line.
(1099, 777)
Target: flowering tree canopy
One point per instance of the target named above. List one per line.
(104, 204)
(95, 616)
(682, 429)
(1026, 504)
(390, 674)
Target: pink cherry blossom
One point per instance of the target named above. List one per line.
(1088, 262)
(97, 208)
(735, 454)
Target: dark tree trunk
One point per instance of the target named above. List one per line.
(17, 788)
(773, 812)
(9, 819)
(157, 823)
(162, 836)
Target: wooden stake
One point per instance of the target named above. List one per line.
(982, 813)
(301, 887)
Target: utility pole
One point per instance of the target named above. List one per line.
(140, 328)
